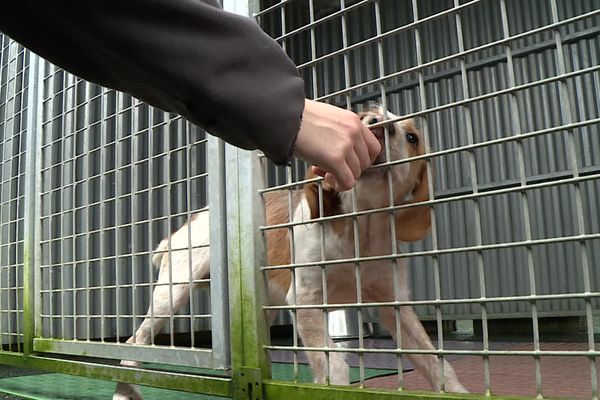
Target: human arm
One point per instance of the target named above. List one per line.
(217, 69)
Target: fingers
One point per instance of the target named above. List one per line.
(336, 141)
(372, 144)
(340, 180)
(347, 174)
(318, 171)
(361, 147)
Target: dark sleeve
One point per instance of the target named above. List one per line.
(217, 69)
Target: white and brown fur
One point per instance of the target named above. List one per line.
(409, 185)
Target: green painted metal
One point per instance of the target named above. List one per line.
(247, 384)
(246, 283)
(212, 385)
(290, 391)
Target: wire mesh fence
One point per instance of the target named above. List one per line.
(117, 177)
(506, 99)
(488, 114)
(14, 83)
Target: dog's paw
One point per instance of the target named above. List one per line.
(126, 391)
(455, 387)
(339, 370)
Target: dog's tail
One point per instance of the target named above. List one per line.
(160, 252)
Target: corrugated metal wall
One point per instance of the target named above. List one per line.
(552, 210)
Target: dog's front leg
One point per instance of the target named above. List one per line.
(313, 333)
(415, 337)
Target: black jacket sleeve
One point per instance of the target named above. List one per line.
(217, 69)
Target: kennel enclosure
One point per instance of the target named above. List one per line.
(506, 94)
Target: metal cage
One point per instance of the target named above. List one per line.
(505, 94)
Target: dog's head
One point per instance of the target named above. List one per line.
(409, 182)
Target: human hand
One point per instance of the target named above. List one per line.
(336, 142)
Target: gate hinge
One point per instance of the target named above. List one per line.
(247, 384)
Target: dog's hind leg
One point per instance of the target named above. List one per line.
(166, 300)
(171, 291)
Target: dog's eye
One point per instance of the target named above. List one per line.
(412, 139)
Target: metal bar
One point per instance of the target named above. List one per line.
(247, 293)
(217, 386)
(392, 221)
(266, 10)
(21, 135)
(4, 332)
(523, 196)
(157, 284)
(434, 238)
(135, 293)
(86, 196)
(37, 232)
(534, 353)
(50, 283)
(102, 117)
(475, 203)
(188, 205)
(581, 248)
(486, 300)
(31, 256)
(119, 151)
(144, 353)
(166, 145)
(218, 252)
(293, 391)
(65, 127)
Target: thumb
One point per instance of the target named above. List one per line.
(318, 170)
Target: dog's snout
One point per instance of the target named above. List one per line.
(373, 120)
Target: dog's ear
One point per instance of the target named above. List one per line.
(414, 223)
(331, 199)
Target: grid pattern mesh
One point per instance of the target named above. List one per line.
(14, 61)
(506, 95)
(117, 177)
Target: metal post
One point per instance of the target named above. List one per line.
(218, 253)
(248, 325)
(245, 252)
(31, 234)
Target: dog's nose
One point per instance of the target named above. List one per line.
(375, 119)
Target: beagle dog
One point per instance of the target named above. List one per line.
(374, 232)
